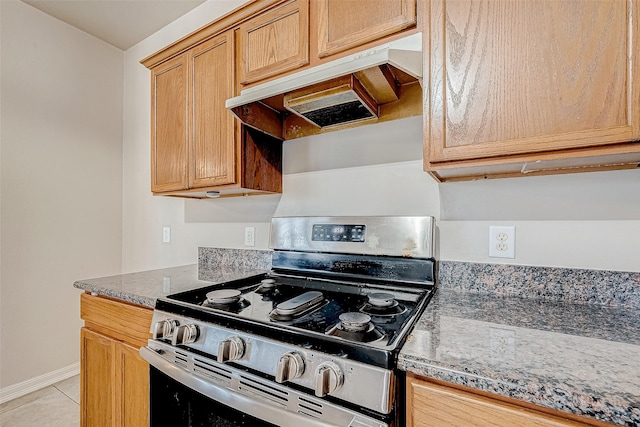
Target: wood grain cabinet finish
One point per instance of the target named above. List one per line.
(197, 145)
(433, 405)
(274, 42)
(169, 138)
(344, 25)
(114, 379)
(211, 131)
(192, 132)
(527, 77)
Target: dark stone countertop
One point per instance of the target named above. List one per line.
(579, 358)
(145, 287)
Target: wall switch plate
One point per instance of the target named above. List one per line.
(166, 284)
(502, 241)
(166, 234)
(249, 236)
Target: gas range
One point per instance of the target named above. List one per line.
(323, 327)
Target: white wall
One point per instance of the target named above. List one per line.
(583, 220)
(61, 184)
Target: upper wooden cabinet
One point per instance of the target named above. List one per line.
(344, 25)
(196, 143)
(169, 148)
(211, 131)
(192, 132)
(274, 42)
(518, 86)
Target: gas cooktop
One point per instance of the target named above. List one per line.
(375, 314)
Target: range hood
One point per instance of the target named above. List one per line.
(334, 94)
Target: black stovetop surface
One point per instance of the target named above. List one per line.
(315, 329)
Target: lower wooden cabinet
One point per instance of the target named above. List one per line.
(434, 405)
(114, 379)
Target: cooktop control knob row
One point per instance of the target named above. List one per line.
(290, 366)
(185, 334)
(230, 349)
(329, 378)
(165, 328)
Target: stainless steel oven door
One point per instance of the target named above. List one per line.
(248, 396)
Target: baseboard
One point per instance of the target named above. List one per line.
(26, 387)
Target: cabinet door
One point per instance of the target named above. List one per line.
(514, 77)
(344, 24)
(274, 42)
(432, 405)
(97, 391)
(169, 126)
(212, 149)
(132, 387)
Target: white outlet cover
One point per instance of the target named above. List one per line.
(249, 236)
(502, 241)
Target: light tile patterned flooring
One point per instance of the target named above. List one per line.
(54, 406)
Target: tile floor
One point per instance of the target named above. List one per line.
(54, 406)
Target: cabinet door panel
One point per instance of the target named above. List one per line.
(132, 387)
(433, 405)
(212, 145)
(169, 126)
(96, 379)
(345, 24)
(511, 77)
(274, 42)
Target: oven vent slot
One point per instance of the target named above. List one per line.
(249, 386)
(181, 359)
(213, 372)
(309, 408)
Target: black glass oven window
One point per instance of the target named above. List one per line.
(175, 405)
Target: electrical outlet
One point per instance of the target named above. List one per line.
(249, 236)
(166, 234)
(502, 344)
(502, 241)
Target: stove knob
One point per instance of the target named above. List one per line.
(230, 349)
(185, 334)
(329, 378)
(290, 366)
(165, 328)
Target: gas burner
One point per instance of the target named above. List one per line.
(298, 306)
(354, 322)
(223, 296)
(226, 299)
(354, 326)
(266, 286)
(382, 304)
(381, 299)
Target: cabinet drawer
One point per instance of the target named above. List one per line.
(433, 405)
(126, 322)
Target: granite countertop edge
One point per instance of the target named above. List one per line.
(112, 293)
(145, 287)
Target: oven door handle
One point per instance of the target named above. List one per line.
(240, 402)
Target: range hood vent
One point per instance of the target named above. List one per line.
(348, 90)
(338, 101)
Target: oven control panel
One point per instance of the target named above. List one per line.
(338, 233)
